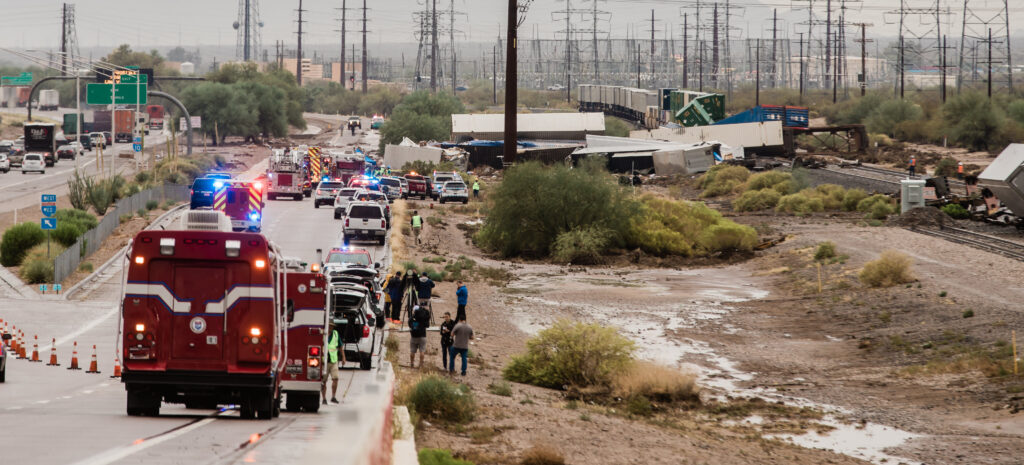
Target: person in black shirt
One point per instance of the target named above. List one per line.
(446, 338)
(418, 323)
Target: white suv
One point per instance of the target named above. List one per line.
(365, 221)
(342, 200)
(5, 163)
(325, 193)
(33, 162)
(354, 321)
(454, 191)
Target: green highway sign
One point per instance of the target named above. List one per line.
(101, 94)
(24, 79)
(130, 78)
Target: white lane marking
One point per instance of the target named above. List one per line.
(37, 179)
(90, 325)
(87, 391)
(42, 401)
(14, 408)
(119, 453)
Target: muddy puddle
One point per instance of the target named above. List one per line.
(652, 307)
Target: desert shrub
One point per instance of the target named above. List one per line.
(825, 251)
(536, 203)
(77, 192)
(972, 120)
(500, 388)
(580, 246)
(800, 204)
(956, 211)
(877, 207)
(116, 186)
(130, 189)
(71, 224)
(616, 127)
(754, 200)
(141, 212)
(98, 194)
(885, 118)
(890, 269)
(86, 267)
(727, 238)
(66, 234)
(662, 227)
(142, 177)
(37, 266)
(852, 198)
(125, 218)
(429, 456)
(571, 354)
(152, 205)
(831, 195)
(442, 400)
(17, 240)
(542, 454)
(722, 180)
(655, 382)
(639, 405)
(777, 180)
(946, 167)
(434, 275)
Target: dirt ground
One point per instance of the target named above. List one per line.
(921, 373)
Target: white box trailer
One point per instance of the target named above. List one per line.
(689, 159)
(49, 100)
(1005, 178)
(767, 134)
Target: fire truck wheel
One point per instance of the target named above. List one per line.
(248, 408)
(316, 204)
(313, 402)
(298, 197)
(307, 194)
(271, 197)
(365, 362)
(277, 406)
(141, 403)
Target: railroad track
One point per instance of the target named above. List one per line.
(885, 175)
(978, 241)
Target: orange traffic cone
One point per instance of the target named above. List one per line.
(53, 354)
(35, 349)
(74, 358)
(22, 346)
(93, 364)
(117, 368)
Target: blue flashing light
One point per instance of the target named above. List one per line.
(254, 216)
(218, 184)
(326, 178)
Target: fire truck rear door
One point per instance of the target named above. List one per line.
(198, 335)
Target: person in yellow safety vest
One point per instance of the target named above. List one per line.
(476, 189)
(960, 170)
(417, 225)
(331, 367)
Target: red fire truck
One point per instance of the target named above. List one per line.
(305, 303)
(203, 322)
(346, 168)
(242, 202)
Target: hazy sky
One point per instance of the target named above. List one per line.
(36, 23)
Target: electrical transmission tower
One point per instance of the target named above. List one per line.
(920, 42)
(978, 22)
(342, 58)
(68, 37)
(249, 40)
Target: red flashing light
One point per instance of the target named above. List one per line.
(366, 331)
(314, 351)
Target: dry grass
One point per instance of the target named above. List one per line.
(542, 454)
(890, 269)
(655, 382)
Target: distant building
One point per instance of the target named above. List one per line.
(351, 69)
(310, 71)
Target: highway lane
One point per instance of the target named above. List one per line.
(53, 415)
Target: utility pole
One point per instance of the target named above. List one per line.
(863, 79)
(775, 38)
(638, 65)
(594, 32)
(700, 60)
(511, 84)
(943, 69)
(64, 45)
(757, 75)
(989, 63)
(902, 66)
(298, 56)
(433, 47)
(365, 73)
(451, 36)
(714, 47)
(828, 39)
(353, 80)
(494, 73)
(801, 57)
(685, 50)
(246, 50)
(652, 41)
(341, 76)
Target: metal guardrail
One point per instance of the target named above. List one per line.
(66, 263)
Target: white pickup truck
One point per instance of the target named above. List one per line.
(365, 221)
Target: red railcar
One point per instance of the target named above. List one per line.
(305, 300)
(203, 322)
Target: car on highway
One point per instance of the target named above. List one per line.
(79, 148)
(326, 193)
(342, 200)
(85, 142)
(218, 175)
(364, 221)
(6, 146)
(376, 122)
(364, 181)
(203, 191)
(16, 156)
(347, 255)
(98, 139)
(430, 187)
(5, 163)
(454, 191)
(107, 138)
(556, 87)
(3, 356)
(358, 333)
(391, 186)
(33, 162)
(438, 180)
(67, 151)
(355, 121)
(381, 199)
(417, 186)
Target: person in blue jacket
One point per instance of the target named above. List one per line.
(462, 294)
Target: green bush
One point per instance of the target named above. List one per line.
(616, 127)
(571, 354)
(885, 118)
(946, 167)
(878, 206)
(852, 198)
(152, 205)
(439, 399)
(71, 224)
(37, 266)
(668, 227)
(754, 200)
(778, 180)
(956, 211)
(77, 191)
(639, 406)
(500, 388)
(722, 180)
(536, 203)
(429, 456)
(727, 238)
(66, 234)
(580, 246)
(800, 204)
(17, 240)
(832, 196)
(98, 194)
(141, 212)
(86, 267)
(142, 177)
(973, 121)
(890, 269)
(825, 251)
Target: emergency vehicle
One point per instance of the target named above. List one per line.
(305, 299)
(202, 321)
(242, 202)
(284, 176)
